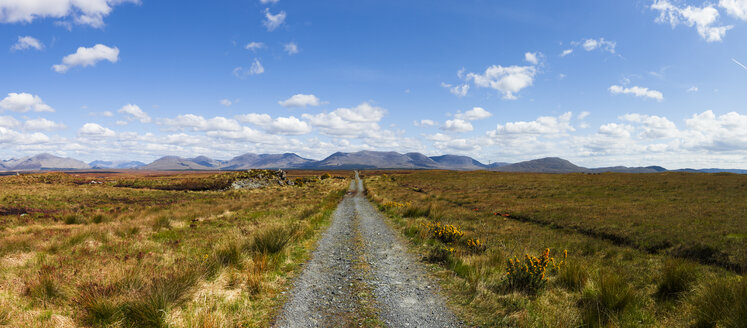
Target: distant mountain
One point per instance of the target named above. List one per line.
(375, 160)
(167, 163)
(456, 162)
(543, 165)
(44, 162)
(497, 164)
(738, 171)
(207, 162)
(625, 169)
(115, 164)
(265, 161)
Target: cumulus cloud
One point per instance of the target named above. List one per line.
(133, 112)
(300, 100)
(85, 12)
(637, 91)
(24, 102)
(12, 137)
(566, 52)
(199, 123)
(692, 89)
(583, 115)
(703, 18)
(507, 80)
(291, 48)
(736, 8)
(425, 123)
(358, 121)
(533, 57)
(246, 134)
(271, 21)
(8, 122)
(42, 124)
(727, 132)
(254, 46)
(601, 44)
(281, 125)
(653, 126)
(95, 131)
(457, 90)
(457, 125)
(88, 57)
(543, 125)
(255, 69)
(27, 42)
(476, 113)
(226, 102)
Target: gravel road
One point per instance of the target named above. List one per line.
(361, 273)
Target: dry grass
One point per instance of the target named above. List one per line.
(98, 255)
(626, 237)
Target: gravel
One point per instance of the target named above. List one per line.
(359, 248)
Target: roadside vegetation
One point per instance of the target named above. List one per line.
(603, 250)
(122, 250)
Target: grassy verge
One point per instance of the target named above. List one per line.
(500, 271)
(154, 258)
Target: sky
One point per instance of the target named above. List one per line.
(600, 83)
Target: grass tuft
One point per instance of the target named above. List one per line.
(677, 277)
(151, 308)
(228, 252)
(607, 302)
(721, 303)
(161, 222)
(573, 276)
(272, 240)
(97, 309)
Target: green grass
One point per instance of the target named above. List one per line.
(677, 278)
(721, 303)
(272, 240)
(609, 299)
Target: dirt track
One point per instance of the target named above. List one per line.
(361, 274)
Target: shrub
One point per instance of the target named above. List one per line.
(444, 232)
(439, 254)
(529, 275)
(325, 176)
(474, 245)
(572, 276)
(677, 277)
(272, 240)
(606, 302)
(721, 303)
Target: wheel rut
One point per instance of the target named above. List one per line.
(360, 275)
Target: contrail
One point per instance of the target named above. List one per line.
(738, 63)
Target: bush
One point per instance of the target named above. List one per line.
(721, 303)
(677, 277)
(530, 274)
(475, 246)
(446, 233)
(272, 240)
(439, 254)
(573, 276)
(325, 176)
(607, 302)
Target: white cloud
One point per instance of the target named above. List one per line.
(703, 18)
(246, 134)
(95, 131)
(359, 121)
(637, 91)
(738, 63)
(616, 130)
(273, 21)
(42, 124)
(507, 80)
(254, 46)
(543, 125)
(457, 125)
(601, 44)
(26, 42)
(583, 115)
(226, 102)
(425, 123)
(736, 8)
(476, 113)
(8, 122)
(88, 57)
(24, 102)
(566, 52)
(281, 125)
(8, 136)
(692, 89)
(134, 112)
(533, 57)
(291, 48)
(653, 126)
(264, 2)
(458, 90)
(86, 12)
(199, 123)
(706, 131)
(300, 100)
(255, 69)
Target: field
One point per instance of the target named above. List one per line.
(154, 249)
(660, 250)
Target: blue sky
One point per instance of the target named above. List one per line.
(655, 82)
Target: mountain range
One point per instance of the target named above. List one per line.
(338, 161)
